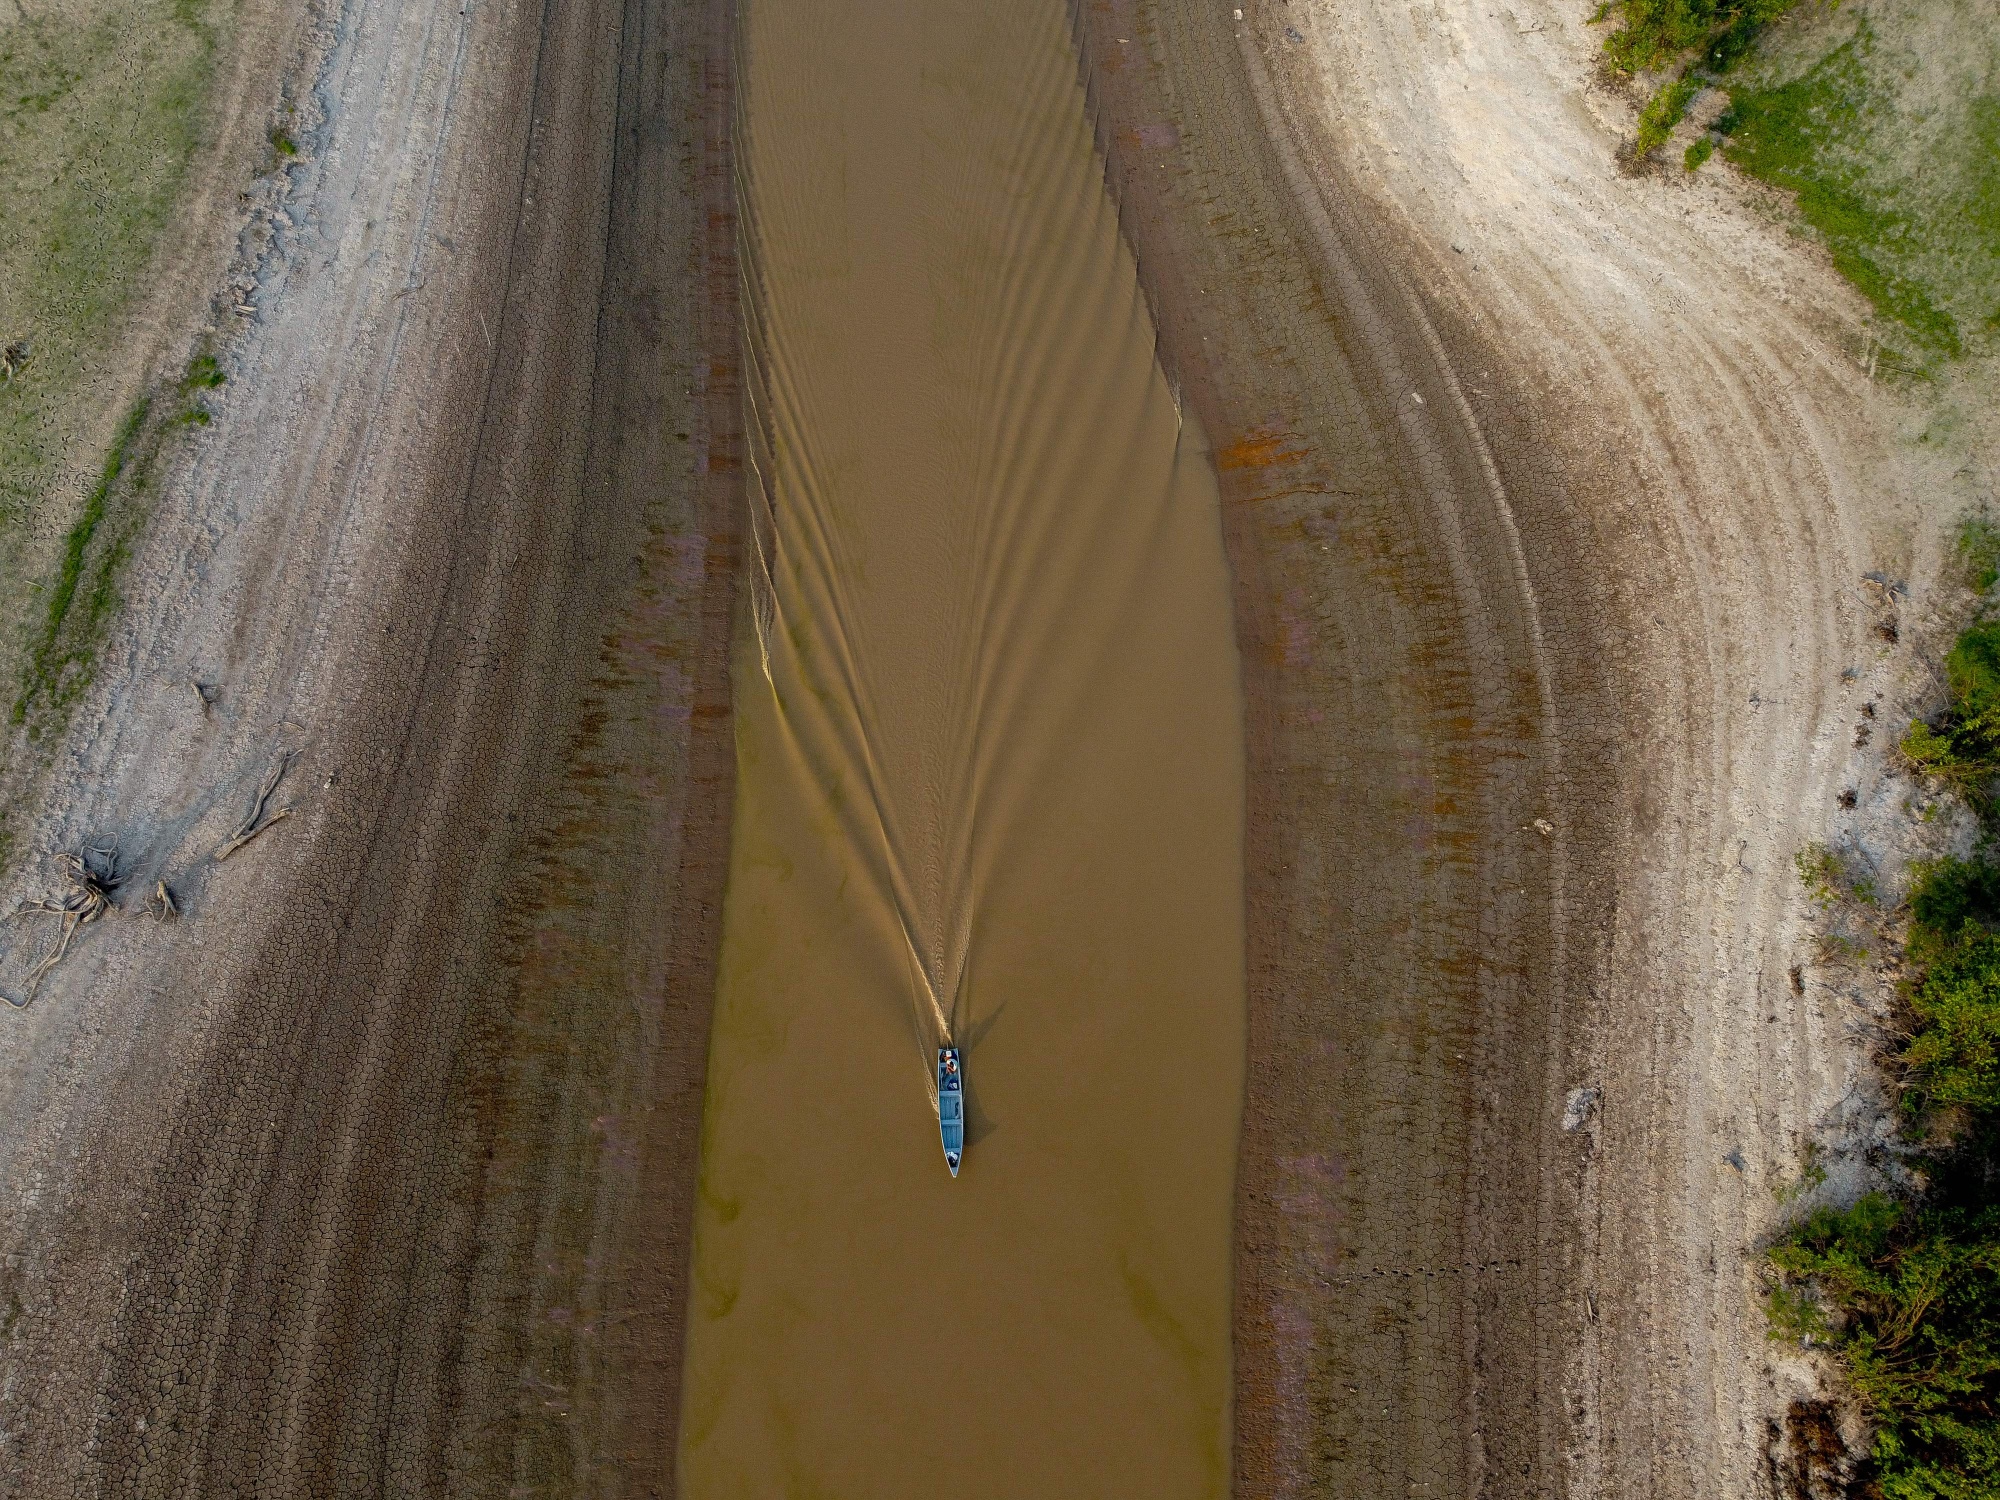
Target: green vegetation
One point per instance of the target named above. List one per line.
(1654, 33)
(1706, 38)
(1963, 749)
(1908, 1297)
(101, 114)
(1881, 117)
(61, 658)
(1790, 135)
(1906, 1291)
(1978, 548)
(1663, 112)
(1830, 880)
(1953, 1055)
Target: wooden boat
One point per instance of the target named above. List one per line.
(951, 1106)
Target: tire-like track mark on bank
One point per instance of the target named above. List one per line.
(372, 1173)
(1423, 688)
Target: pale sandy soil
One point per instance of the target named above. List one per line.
(1698, 385)
(329, 1187)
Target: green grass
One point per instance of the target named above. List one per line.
(1700, 39)
(1663, 112)
(99, 120)
(1889, 138)
(1881, 117)
(102, 111)
(1830, 880)
(84, 594)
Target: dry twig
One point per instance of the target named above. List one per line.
(162, 904)
(257, 822)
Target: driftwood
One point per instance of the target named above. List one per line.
(83, 896)
(258, 820)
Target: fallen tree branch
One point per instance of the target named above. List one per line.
(257, 822)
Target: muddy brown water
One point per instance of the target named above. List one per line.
(990, 769)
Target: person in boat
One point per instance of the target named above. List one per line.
(951, 1065)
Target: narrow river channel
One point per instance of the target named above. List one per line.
(990, 786)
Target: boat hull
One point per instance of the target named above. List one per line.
(951, 1106)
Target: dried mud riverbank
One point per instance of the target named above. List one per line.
(363, 1174)
(1550, 491)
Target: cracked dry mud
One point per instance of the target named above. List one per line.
(374, 1173)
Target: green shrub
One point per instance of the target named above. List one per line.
(1909, 1299)
(1964, 751)
(1698, 153)
(1656, 33)
(1907, 1294)
(1954, 1051)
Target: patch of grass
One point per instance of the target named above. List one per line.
(101, 115)
(1893, 153)
(1698, 153)
(62, 657)
(1812, 1176)
(1706, 38)
(1663, 112)
(283, 144)
(1830, 880)
(1977, 544)
(1963, 749)
(1786, 135)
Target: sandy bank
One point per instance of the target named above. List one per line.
(322, 1188)
(1664, 659)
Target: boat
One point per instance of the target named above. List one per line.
(951, 1106)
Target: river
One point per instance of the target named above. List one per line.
(990, 762)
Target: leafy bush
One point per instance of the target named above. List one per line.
(1907, 1294)
(1657, 32)
(1954, 1052)
(1964, 751)
(1909, 1298)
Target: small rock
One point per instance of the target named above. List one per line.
(1580, 1108)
